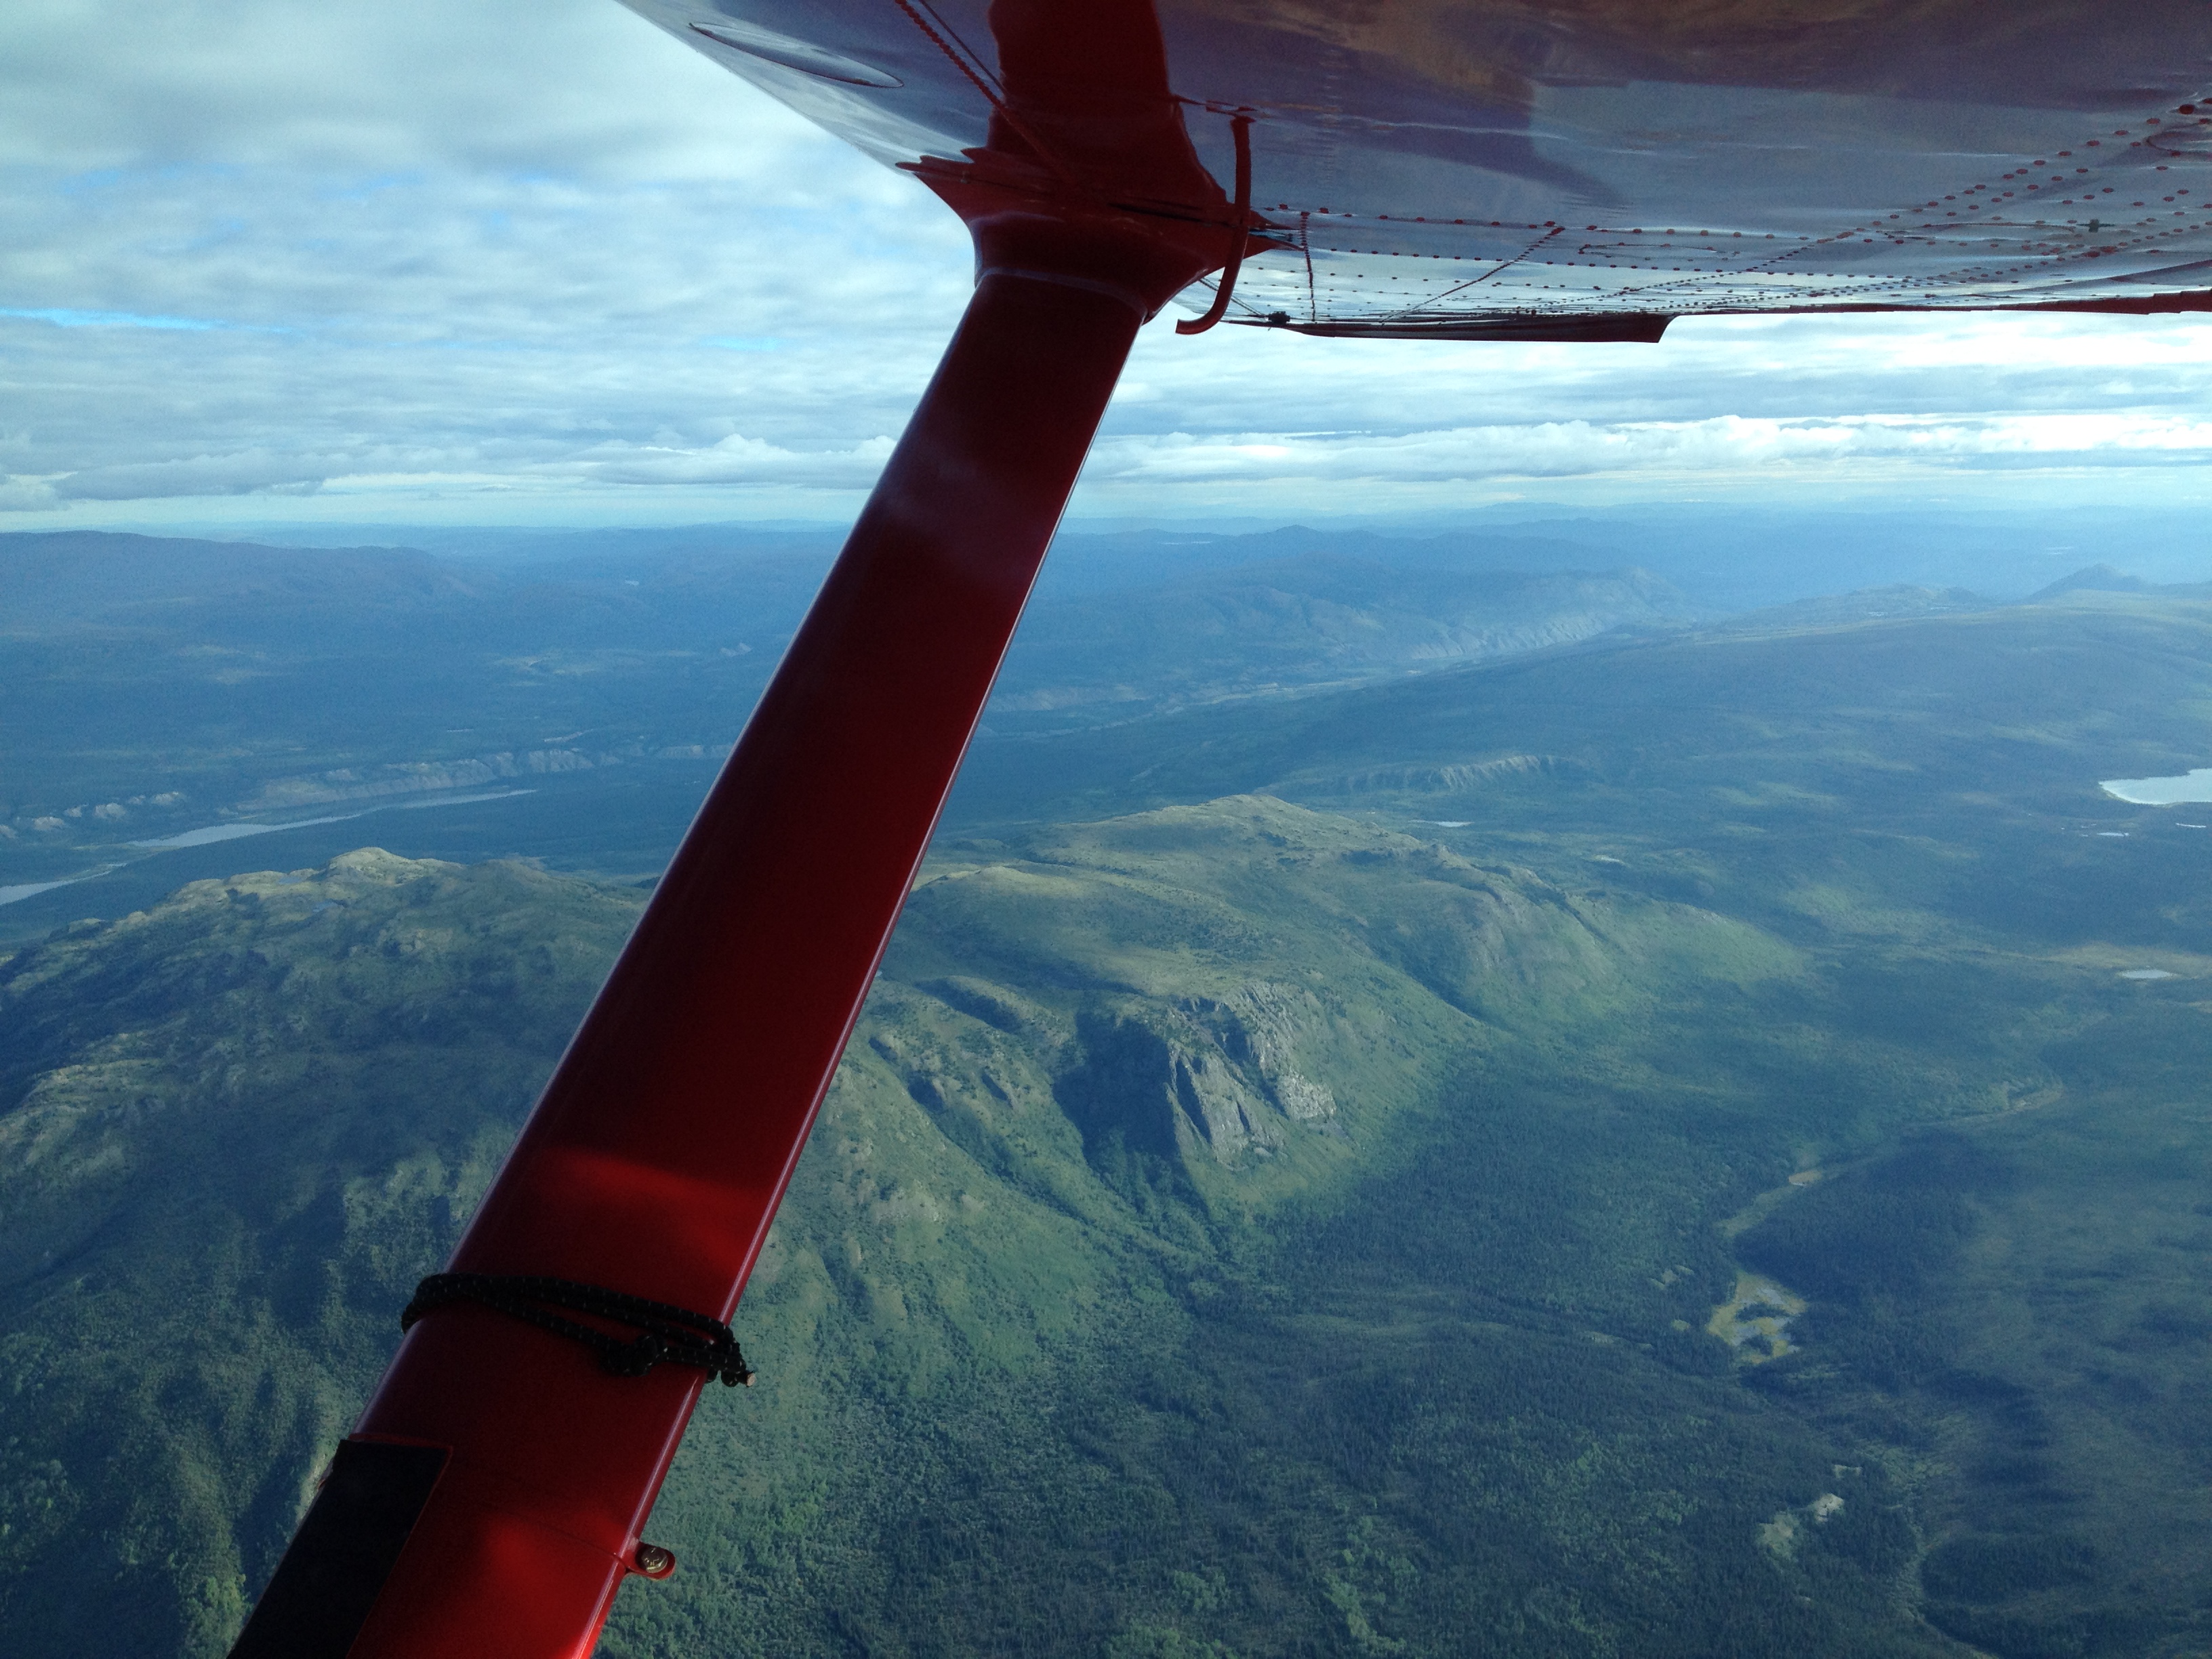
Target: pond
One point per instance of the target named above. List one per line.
(2162, 792)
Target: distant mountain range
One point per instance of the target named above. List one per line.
(159, 685)
(163, 688)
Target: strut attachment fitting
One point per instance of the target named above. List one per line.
(1224, 285)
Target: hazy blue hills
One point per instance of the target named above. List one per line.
(161, 685)
(158, 686)
(142, 665)
(1988, 729)
(1288, 625)
(1722, 557)
(1685, 1142)
(70, 581)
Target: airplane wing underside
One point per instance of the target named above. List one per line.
(1419, 165)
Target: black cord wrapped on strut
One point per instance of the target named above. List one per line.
(672, 1335)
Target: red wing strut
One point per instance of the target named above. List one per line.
(490, 1500)
(1438, 169)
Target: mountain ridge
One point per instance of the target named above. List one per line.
(1018, 1197)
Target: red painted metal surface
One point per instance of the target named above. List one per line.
(1224, 283)
(655, 1160)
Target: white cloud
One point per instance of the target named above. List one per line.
(372, 89)
(1723, 444)
(734, 460)
(510, 259)
(242, 473)
(22, 495)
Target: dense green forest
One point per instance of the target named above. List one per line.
(1279, 1222)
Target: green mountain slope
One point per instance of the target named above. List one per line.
(2010, 1322)
(1234, 1225)
(237, 1125)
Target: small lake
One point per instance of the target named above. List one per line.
(2194, 786)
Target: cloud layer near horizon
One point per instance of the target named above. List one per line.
(539, 263)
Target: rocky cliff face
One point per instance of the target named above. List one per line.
(1217, 1074)
(1263, 1025)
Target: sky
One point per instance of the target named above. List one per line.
(510, 264)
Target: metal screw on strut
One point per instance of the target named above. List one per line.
(651, 1561)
